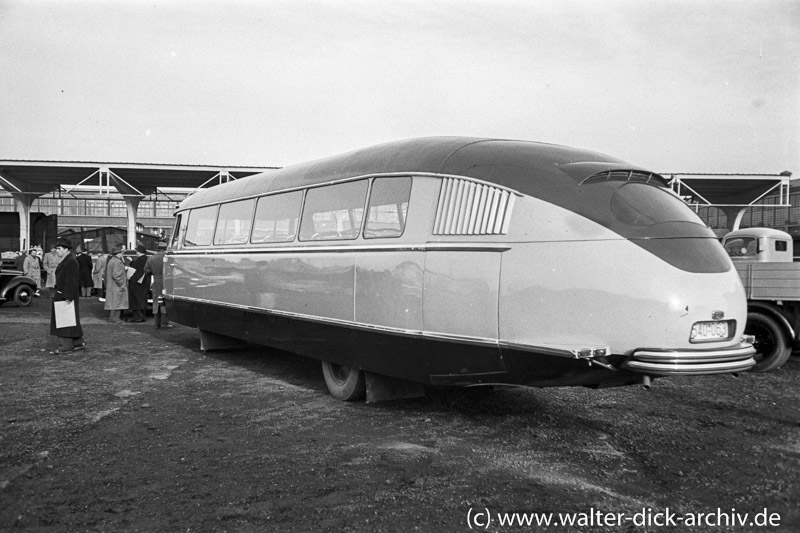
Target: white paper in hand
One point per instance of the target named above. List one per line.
(65, 314)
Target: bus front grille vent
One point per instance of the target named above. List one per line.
(626, 175)
(470, 208)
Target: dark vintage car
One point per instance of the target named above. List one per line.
(15, 287)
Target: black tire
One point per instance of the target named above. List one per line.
(344, 383)
(23, 295)
(771, 344)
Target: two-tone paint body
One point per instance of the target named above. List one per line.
(519, 262)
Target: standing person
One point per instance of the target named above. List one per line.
(43, 280)
(116, 285)
(50, 263)
(155, 266)
(31, 269)
(138, 285)
(98, 273)
(67, 289)
(85, 271)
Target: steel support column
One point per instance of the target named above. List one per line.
(132, 204)
(23, 203)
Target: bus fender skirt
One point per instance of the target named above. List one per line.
(215, 341)
(468, 379)
(384, 388)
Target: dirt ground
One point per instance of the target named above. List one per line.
(144, 432)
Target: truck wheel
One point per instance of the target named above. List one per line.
(772, 346)
(23, 295)
(344, 383)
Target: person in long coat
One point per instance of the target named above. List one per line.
(50, 263)
(155, 266)
(31, 269)
(98, 274)
(85, 271)
(67, 289)
(138, 285)
(116, 285)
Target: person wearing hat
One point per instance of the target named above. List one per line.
(116, 285)
(155, 266)
(67, 289)
(138, 285)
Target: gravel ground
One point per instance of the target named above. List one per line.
(144, 432)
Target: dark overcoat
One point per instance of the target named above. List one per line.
(138, 285)
(67, 287)
(155, 266)
(85, 269)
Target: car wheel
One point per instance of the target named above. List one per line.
(23, 295)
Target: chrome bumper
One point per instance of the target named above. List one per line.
(692, 363)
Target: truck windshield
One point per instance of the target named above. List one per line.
(742, 247)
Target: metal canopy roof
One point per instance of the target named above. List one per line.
(732, 190)
(36, 178)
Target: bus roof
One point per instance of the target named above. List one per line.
(533, 168)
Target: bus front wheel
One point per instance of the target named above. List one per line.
(771, 344)
(344, 383)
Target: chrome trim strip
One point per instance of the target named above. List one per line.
(428, 247)
(537, 349)
(691, 357)
(685, 362)
(664, 369)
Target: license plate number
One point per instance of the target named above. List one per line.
(709, 331)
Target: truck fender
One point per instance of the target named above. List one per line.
(773, 311)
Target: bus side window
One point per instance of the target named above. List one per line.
(781, 246)
(388, 206)
(200, 227)
(233, 222)
(177, 231)
(277, 217)
(334, 212)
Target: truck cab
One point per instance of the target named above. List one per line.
(763, 257)
(759, 245)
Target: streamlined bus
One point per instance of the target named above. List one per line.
(460, 262)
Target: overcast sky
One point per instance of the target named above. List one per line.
(675, 86)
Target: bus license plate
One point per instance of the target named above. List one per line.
(709, 331)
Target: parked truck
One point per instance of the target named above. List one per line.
(764, 259)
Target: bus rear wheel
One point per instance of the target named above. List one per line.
(344, 383)
(772, 346)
